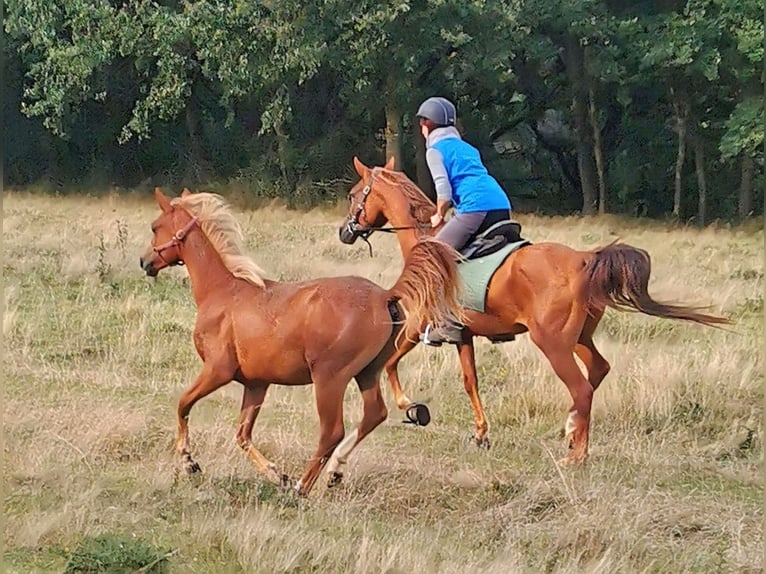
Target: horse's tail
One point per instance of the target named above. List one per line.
(618, 277)
(429, 286)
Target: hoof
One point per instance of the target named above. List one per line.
(335, 479)
(482, 442)
(284, 482)
(190, 466)
(299, 489)
(418, 414)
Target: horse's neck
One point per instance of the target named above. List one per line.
(407, 240)
(401, 216)
(207, 272)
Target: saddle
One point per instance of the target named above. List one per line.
(493, 239)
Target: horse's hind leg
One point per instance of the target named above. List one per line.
(596, 365)
(207, 381)
(374, 413)
(471, 384)
(558, 347)
(252, 400)
(329, 398)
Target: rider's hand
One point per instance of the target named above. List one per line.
(436, 220)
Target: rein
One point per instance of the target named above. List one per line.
(364, 234)
(176, 240)
(402, 228)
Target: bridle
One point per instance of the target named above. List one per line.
(177, 239)
(355, 227)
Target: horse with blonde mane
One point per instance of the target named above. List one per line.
(261, 333)
(552, 291)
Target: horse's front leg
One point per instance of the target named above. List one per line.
(210, 379)
(471, 384)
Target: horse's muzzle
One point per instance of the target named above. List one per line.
(148, 267)
(347, 234)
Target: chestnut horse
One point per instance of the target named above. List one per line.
(554, 292)
(260, 333)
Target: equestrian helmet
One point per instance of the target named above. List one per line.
(439, 110)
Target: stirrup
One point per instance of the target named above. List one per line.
(426, 339)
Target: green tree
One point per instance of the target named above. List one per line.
(743, 136)
(612, 99)
(392, 56)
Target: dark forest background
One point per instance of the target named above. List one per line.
(651, 108)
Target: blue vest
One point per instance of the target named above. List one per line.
(473, 189)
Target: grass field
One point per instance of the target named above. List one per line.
(96, 356)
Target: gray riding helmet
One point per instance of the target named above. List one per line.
(439, 110)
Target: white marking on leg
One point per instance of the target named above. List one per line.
(333, 466)
(342, 452)
(570, 426)
(298, 485)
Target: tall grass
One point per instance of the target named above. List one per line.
(97, 355)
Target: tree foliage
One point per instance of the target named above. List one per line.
(592, 105)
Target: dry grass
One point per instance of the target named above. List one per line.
(96, 356)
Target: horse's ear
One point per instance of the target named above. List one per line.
(162, 200)
(361, 169)
(390, 163)
(185, 191)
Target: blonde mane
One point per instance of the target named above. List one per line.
(223, 231)
(421, 206)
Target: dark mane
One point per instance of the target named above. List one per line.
(421, 207)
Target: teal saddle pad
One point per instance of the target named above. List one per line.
(477, 273)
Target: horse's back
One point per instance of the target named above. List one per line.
(291, 328)
(542, 257)
(531, 272)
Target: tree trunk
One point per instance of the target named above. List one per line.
(422, 173)
(285, 168)
(745, 204)
(576, 73)
(699, 168)
(196, 164)
(598, 152)
(393, 129)
(681, 117)
(584, 159)
(52, 160)
(394, 135)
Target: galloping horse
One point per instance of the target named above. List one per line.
(554, 292)
(260, 333)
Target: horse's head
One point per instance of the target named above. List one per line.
(168, 233)
(365, 204)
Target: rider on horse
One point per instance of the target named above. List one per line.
(461, 180)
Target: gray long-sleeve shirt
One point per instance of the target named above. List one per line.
(435, 161)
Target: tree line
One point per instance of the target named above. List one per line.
(649, 107)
